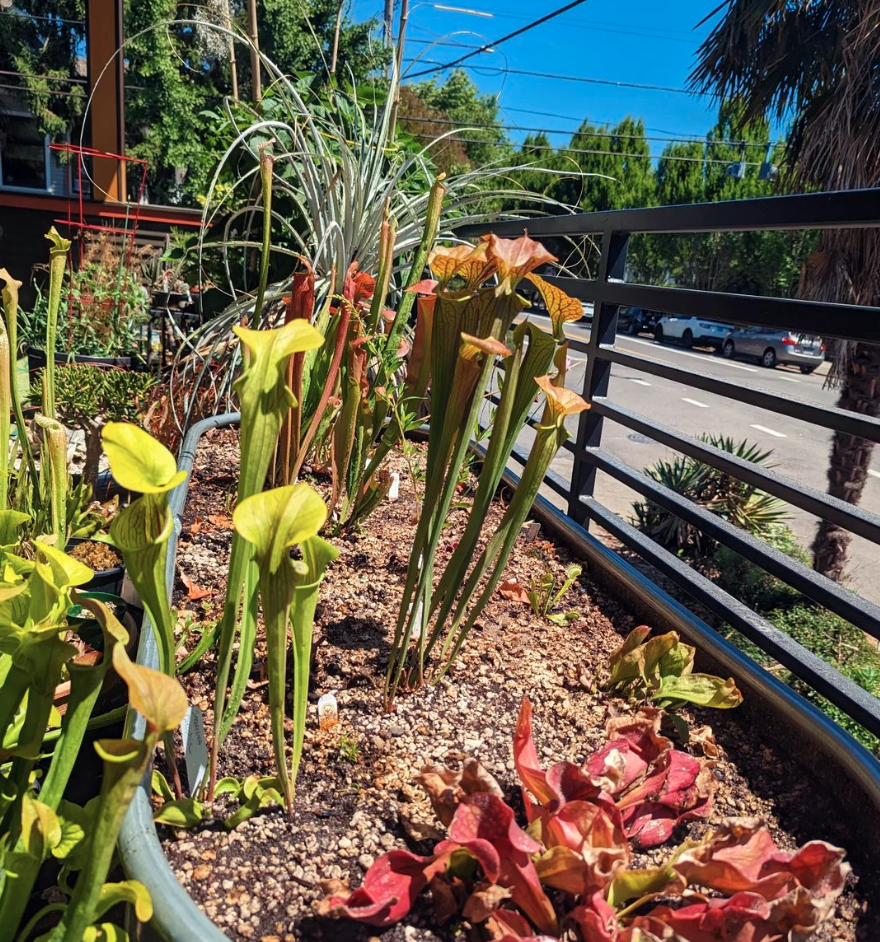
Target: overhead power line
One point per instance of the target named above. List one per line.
(570, 78)
(467, 125)
(503, 39)
(604, 153)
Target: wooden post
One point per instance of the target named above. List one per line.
(107, 114)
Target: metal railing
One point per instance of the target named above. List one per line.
(608, 292)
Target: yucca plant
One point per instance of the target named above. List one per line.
(741, 504)
(340, 179)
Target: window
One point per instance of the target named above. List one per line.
(24, 154)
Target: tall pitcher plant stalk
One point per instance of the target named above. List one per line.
(469, 316)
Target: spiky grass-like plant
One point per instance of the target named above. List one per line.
(339, 177)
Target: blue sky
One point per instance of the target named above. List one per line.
(637, 41)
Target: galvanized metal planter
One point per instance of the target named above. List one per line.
(177, 918)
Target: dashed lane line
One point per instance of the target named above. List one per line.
(770, 431)
(641, 382)
(873, 473)
(694, 402)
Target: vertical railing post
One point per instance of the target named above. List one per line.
(612, 265)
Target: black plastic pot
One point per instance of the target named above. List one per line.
(106, 580)
(106, 487)
(176, 918)
(37, 360)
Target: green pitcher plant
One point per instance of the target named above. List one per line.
(470, 313)
(36, 598)
(163, 704)
(272, 523)
(44, 493)
(265, 401)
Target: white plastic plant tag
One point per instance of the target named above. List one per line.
(394, 490)
(195, 747)
(328, 711)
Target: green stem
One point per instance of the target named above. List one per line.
(10, 307)
(429, 237)
(497, 552)
(55, 450)
(117, 791)
(247, 643)
(267, 163)
(7, 376)
(275, 591)
(32, 923)
(57, 264)
(85, 685)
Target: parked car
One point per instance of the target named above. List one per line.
(771, 346)
(691, 331)
(636, 320)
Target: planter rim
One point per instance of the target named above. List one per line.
(177, 918)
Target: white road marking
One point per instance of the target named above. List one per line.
(873, 473)
(696, 356)
(770, 431)
(788, 379)
(641, 382)
(694, 402)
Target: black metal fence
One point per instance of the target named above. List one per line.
(608, 292)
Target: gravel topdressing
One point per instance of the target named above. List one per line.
(356, 796)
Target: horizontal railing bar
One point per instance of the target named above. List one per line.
(849, 321)
(849, 516)
(846, 209)
(829, 417)
(822, 677)
(580, 346)
(553, 480)
(860, 612)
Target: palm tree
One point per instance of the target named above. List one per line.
(818, 61)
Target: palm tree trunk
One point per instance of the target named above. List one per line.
(850, 457)
(844, 268)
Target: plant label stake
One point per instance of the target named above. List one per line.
(195, 748)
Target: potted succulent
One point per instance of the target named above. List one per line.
(100, 317)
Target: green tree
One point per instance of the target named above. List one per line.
(40, 41)
(459, 101)
(819, 62)
(697, 172)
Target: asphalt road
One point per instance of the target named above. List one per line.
(800, 449)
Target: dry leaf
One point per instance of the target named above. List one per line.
(513, 591)
(221, 521)
(703, 737)
(193, 591)
(484, 901)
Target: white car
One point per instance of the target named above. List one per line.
(691, 331)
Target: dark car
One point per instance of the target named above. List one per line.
(636, 320)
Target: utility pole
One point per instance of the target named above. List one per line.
(254, 37)
(401, 38)
(388, 20)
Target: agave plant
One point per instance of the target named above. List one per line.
(741, 504)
